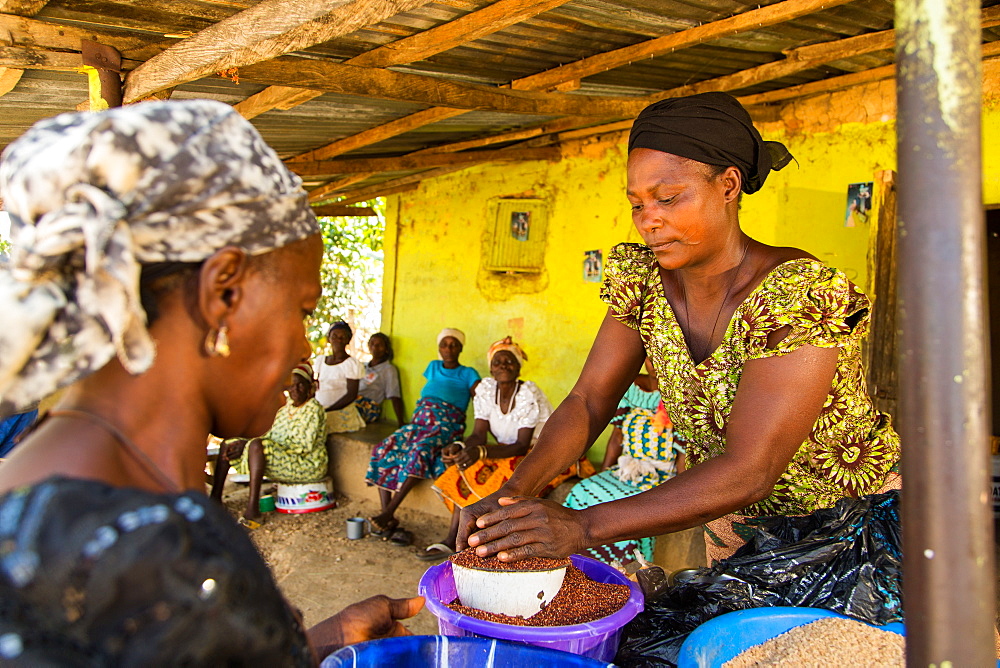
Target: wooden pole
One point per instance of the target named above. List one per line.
(948, 585)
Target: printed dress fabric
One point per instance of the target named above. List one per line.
(485, 476)
(852, 449)
(414, 450)
(295, 446)
(332, 379)
(94, 575)
(649, 456)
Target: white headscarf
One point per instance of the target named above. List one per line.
(454, 333)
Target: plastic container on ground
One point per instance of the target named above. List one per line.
(597, 639)
(445, 652)
(310, 497)
(727, 636)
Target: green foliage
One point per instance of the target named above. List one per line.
(351, 275)
(4, 247)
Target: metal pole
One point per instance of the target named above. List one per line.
(944, 363)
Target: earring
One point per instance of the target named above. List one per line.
(217, 342)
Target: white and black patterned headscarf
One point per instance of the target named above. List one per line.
(94, 196)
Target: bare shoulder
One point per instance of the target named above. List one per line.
(776, 255)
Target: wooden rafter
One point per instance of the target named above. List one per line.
(422, 45)
(751, 20)
(990, 50)
(378, 133)
(266, 30)
(405, 163)
(326, 191)
(405, 87)
(806, 58)
(343, 210)
(462, 30)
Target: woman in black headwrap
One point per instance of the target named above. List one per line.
(163, 261)
(757, 349)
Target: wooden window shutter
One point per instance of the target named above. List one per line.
(517, 239)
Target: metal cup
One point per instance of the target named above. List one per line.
(356, 527)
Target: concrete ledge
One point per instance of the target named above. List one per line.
(351, 452)
(349, 456)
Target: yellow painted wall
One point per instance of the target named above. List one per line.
(434, 242)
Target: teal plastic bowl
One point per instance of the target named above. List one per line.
(727, 636)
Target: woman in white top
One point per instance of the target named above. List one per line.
(514, 411)
(381, 382)
(338, 375)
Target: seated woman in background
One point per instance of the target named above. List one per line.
(514, 411)
(338, 375)
(292, 451)
(641, 454)
(163, 261)
(380, 382)
(413, 451)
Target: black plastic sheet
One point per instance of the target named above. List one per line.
(847, 559)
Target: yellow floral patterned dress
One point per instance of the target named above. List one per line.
(852, 449)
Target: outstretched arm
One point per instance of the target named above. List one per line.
(776, 405)
(614, 361)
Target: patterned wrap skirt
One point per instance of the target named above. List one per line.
(369, 410)
(458, 488)
(414, 450)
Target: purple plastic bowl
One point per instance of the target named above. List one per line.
(597, 639)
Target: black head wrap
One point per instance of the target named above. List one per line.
(712, 128)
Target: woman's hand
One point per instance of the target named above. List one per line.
(232, 450)
(449, 452)
(467, 456)
(522, 527)
(370, 619)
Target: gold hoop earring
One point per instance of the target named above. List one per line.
(217, 342)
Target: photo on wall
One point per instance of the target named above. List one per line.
(520, 224)
(593, 266)
(859, 203)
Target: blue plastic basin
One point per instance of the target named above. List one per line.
(442, 651)
(727, 636)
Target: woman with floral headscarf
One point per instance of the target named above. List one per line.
(163, 261)
(293, 450)
(514, 411)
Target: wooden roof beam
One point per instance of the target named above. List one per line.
(751, 20)
(378, 133)
(422, 45)
(406, 163)
(468, 28)
(343, 210)
(266, 30)
(990, 50)
(433, 91)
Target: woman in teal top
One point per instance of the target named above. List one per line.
(414, 450)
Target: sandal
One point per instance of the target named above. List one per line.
(434, 552)
(382, 531)
(249, 525)
(401, 537)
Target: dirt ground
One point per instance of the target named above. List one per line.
(321, 571)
